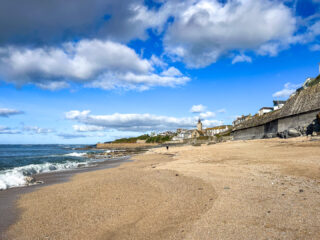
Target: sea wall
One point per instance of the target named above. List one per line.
(249, 133)
(306, 122)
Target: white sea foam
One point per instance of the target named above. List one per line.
(16, 177)
(75, 154)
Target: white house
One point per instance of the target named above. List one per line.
(265, 110)
(278, 104)
(183, 134)
(217, 130)
(241, 119)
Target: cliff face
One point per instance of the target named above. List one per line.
(303, 101)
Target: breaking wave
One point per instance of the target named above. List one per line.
(75, 154)
(16, 177)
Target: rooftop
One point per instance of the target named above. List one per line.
(269, 108)
(219, 127)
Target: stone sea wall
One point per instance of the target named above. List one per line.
(305, 124)
(298, 116)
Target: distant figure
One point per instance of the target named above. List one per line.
(167, 147)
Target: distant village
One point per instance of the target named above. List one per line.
(297, 116)
(186, 134)
(268, 122)
(181, 135)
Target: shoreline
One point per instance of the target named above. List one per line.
(233, 190)
(9, 197)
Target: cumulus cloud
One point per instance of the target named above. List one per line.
(241, 58)
(205, 30)
(6, 112)
(288, 89)
(157, 62)
(206, 115)
(7, 130)
(311, 33)
(96, 63)
(87, 128)
(198, 32)
(37, 130)
(198, 108)
(171, 72)
(56, 21)
(136, 122)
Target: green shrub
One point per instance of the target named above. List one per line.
(156, 139)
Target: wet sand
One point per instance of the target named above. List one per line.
(260, 189)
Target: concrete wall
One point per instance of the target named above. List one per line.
(301, 120)
(249, 133)
(272, 128)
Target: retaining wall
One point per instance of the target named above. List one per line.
(270, 129)
(301, 120)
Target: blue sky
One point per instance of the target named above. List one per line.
(92, 71)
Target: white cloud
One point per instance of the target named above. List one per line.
(6, 112)
(198, 108)
(136, 122)
(206, 115)
(171, 72)
(288, 89)
(121, 20)
(7, 130)
(87, 128)
(37, 130)
(157, 62)
(205, 30)
(241, 58)
(315, 47)
(95, 63)
(53, 85)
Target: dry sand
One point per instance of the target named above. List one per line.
(261, 189)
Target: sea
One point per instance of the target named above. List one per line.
(19, 161)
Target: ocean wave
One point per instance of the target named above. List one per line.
(16, 177)
(75, 154)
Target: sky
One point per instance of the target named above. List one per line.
(88, 71)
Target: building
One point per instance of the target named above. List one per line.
(278, 104)
(265, 110)
(196, 134)
(307, 82)
(199, 125)
(217, 130)
(166, 133)
(241, 119)
(182, 134)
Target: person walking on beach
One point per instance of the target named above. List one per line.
(167, 147)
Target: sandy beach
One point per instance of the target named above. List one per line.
(260, 189)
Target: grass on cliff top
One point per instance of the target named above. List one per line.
(314, 81)
(146, 137)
